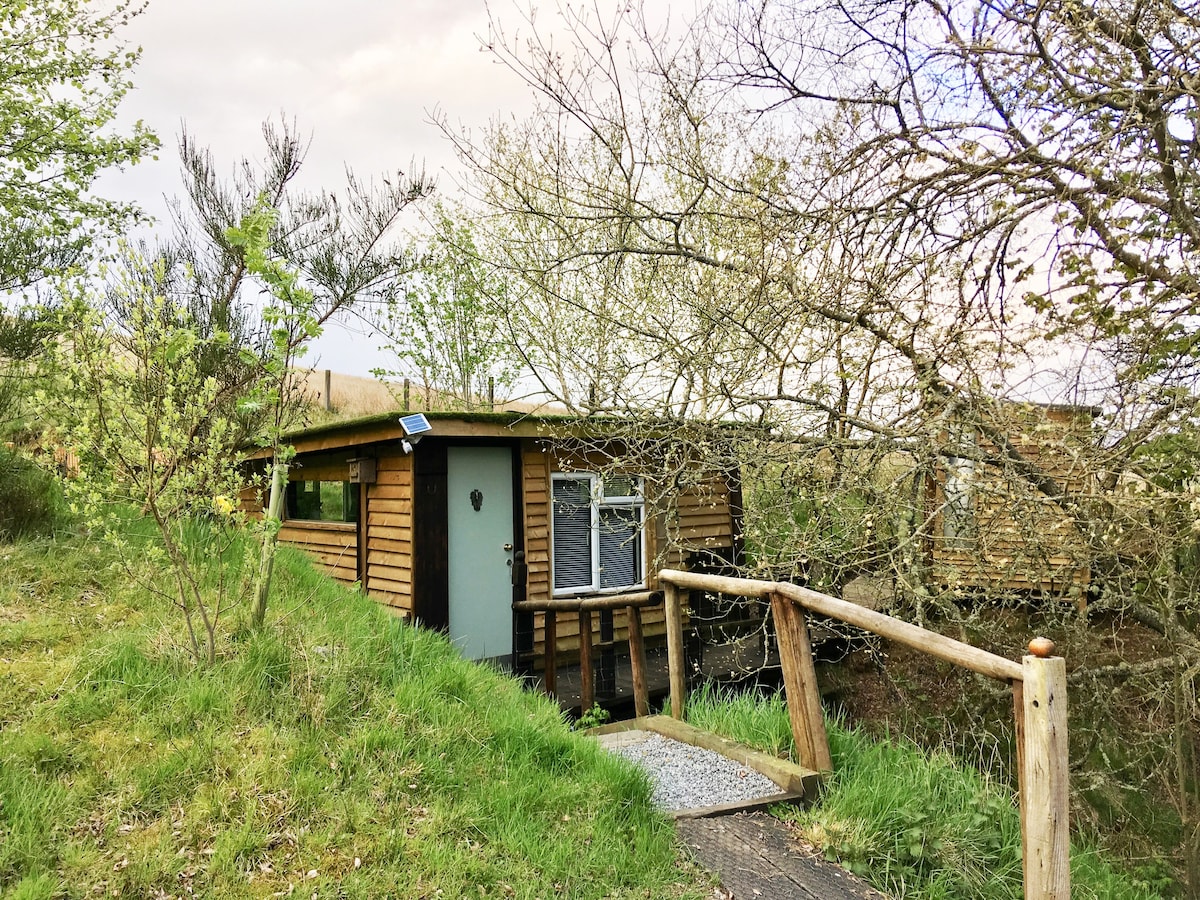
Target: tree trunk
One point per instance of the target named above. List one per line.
(266, 560)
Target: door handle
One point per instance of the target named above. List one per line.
(508, 546)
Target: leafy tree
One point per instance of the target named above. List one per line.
(151, 430)
(23, 334)
(64, 76)
(177, 363)
(316, 255)
(292, 321)
(446, 322)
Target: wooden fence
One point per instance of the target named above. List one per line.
(584, 607)
(1039, 687)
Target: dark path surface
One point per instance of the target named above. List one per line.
(757, 858)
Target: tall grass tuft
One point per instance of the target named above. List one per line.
(31, 498)
(915, 824)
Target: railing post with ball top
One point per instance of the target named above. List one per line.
(1043, 774)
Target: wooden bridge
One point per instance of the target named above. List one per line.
(1038, 684)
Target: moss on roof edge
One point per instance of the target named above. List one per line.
(496, 418)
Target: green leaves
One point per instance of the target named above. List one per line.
(153, 429)
(446, 322)
(64, 76)
(179, 344)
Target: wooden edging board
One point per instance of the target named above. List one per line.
(798, 783)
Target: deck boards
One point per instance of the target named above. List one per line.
(722, 662)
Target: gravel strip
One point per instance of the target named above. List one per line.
(687, 777)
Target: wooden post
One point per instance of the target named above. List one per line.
(1018, 693)
(800, 685)
(587, 689)
(550, 654)
(328, 390)
(406, 390)
(675, 661)
(606, 672)
(637, 662)
(1044, 794)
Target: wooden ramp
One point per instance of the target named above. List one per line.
(757, 858)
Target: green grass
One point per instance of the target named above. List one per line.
(915, 824)
(337, 752)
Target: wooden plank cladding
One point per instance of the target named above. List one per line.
(535, 490)
(335, 547)
(704, 516)
(991, 530)
(389, 527)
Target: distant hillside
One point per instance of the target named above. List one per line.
(352, 396)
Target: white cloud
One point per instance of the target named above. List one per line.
(362, 76)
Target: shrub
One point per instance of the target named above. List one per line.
(31, 501)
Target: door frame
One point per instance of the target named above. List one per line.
(431, 529)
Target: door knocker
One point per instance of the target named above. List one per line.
(476, 499)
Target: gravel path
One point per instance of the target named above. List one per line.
(687, 777)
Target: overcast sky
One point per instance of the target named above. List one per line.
(361, 76)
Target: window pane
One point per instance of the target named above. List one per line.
(620, 486)
(958, 515)
(350, 495)
(322, 501)
(620, 547)
(572, 533)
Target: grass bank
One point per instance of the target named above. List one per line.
(338, 753)
(915, 824)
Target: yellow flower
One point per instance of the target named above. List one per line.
(222, 505)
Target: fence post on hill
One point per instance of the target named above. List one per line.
(1043, 773)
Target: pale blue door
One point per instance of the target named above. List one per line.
(479, 498)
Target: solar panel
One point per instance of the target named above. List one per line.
(415, 424)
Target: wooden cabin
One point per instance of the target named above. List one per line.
(487, 509)
(993, 530)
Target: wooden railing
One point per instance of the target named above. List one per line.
(1039, 687)
(584, 607)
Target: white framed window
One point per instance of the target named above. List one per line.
(596, 533)
(958, 513)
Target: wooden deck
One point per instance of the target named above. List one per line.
(737, 662)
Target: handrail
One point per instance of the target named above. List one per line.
(633, 603)
(902, 632)
(641, 600)
(1038, 682)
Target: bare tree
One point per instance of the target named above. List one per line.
(857, 236)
